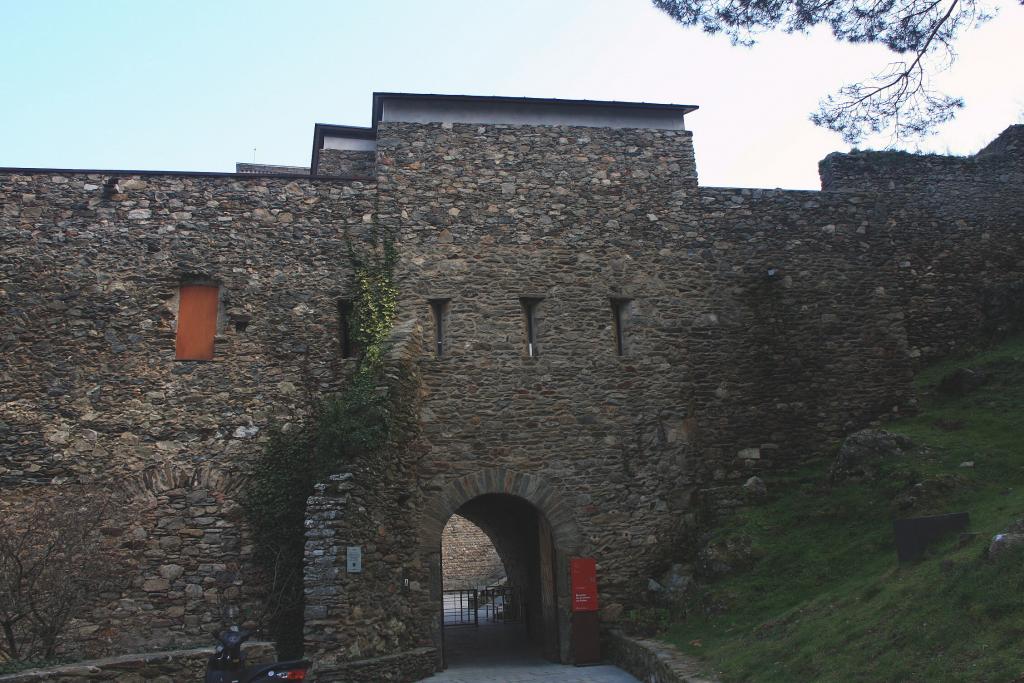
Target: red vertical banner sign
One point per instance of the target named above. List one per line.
(583, 577)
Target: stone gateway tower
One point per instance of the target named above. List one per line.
(591, 351)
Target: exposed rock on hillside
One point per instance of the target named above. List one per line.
(721, 557)
(931, 494)
(755, 488)
(862, 453)
(673, 585)
(1011, 537)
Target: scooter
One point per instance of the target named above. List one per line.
(227, 663)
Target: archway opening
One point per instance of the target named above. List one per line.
(498, 574)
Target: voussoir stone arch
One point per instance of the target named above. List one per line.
(155, 480)
(551, 502)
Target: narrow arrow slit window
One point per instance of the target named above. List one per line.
(620, 319)
(439, 308)
(530, 306)
(348, 349)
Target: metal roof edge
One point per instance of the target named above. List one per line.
(379, 97)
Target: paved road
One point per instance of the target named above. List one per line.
(499, 653)
(541, 672)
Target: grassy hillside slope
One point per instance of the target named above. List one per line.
(826, 599)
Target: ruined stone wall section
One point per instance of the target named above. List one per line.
(949, 181)
(468, 557)
(516, 184)
(90, 391)
(1010, 142)
(956, 227)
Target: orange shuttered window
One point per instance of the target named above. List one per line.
(197, 322)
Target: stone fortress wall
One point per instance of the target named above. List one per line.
(759, 326)
(90, 391)
(763, 323)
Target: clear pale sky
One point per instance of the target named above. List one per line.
(196, 85)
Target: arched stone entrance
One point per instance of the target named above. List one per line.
(534, 532)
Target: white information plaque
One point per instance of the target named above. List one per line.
(354, 559)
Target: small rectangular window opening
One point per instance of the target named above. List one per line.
(198, 306)
(348, 349)
(439, 308)
(620, 318)
(530, 306)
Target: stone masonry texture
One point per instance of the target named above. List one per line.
(344, 162)
(90, 391)
(468, 556)
(955, 225)
(757, 327)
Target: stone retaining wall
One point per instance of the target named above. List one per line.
(652, 661)
(402, 667)
(176, 666)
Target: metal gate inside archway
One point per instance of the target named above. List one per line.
(498, 575)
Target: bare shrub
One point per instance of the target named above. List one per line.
(53, 564)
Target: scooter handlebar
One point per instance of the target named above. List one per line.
(233, 638)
